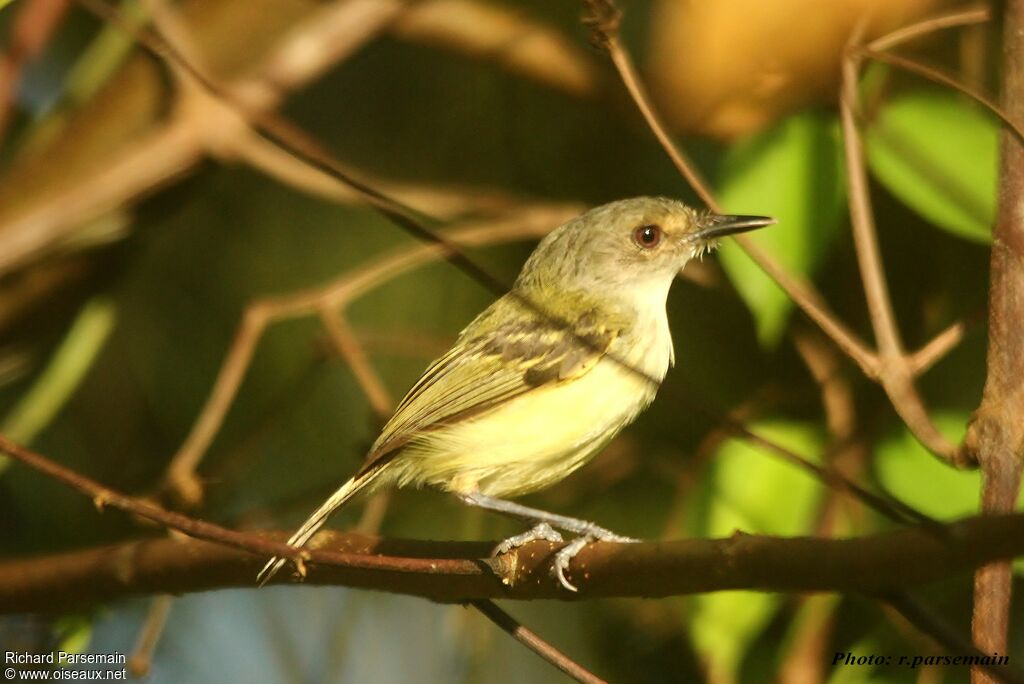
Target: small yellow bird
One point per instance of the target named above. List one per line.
(547, 375)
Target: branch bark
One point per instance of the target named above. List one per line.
(216, 557)
(462, 571)
(996, 433)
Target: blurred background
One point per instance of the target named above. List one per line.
(139, 218)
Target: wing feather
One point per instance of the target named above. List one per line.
(509, 350)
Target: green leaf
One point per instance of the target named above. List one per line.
(907, 470)
(747, 486)
(938, 153)
(910, 472)
(791, 172)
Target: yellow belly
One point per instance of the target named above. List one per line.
(530, 442)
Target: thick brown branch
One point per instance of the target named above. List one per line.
(453, 571)
(463, 571)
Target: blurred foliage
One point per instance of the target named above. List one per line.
(791, 172)
(952, 184)
(743, 485)
(122, 384)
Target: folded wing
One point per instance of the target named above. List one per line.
(509, 350)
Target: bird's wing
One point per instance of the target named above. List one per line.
(507, 351)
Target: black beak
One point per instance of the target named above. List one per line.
(713, 226)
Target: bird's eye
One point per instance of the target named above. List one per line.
(648, 236)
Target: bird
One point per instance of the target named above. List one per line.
(547, 375)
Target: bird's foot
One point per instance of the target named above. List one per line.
(540, 532)
(565, 554)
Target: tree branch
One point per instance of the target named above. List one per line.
(463, 571)
(460, 571)
(894, 369)
(996, 433)
(529, 638)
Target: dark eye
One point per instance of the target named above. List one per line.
(648, 236)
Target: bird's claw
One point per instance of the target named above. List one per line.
(565, 554)
(563, 557)
(540, 532)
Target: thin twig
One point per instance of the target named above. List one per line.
(960, 17)
(936, 348)
(869, 257)
(103, 496)
(199, 125)
(894, 371)
(631, 80)
(836, 394)
(355, 356)
(883, 502)
(297, 142)
(532, 641)
(937, 76)
(179, 478)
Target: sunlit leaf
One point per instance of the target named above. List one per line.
(938, 153)
(790, 172)
(909, 472)
(755, 492)
(916, 477)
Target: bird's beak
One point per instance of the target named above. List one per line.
(714, 226)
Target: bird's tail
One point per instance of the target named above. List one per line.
(317, 520)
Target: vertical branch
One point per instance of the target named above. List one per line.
(996, 434)
(869, 256)
(894, 369)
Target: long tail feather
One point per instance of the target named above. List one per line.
(317, 520)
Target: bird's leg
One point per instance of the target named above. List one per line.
(584, 529)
